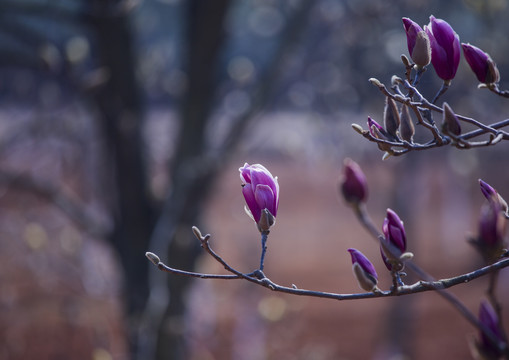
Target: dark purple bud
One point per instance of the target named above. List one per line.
(363, 270)
(261, 191)
(445, 48)
(393, 245)
(450, 122)
(488, 317)
(490, 241)
(488, 191)
(418, 43)
(354, 186)
(481, 64)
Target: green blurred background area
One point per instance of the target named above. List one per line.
(124, 122)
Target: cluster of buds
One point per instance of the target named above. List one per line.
(439, 44)
(490, 239)
(393, 242)
(261, 192)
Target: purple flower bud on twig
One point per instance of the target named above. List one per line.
(485, 348)
(481, 64)
(490, 241)
(418, 43)
(354, 185)
(261, 192)
(445, 48)
(363, 270)
(393, 245)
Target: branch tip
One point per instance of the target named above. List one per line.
(153, 258)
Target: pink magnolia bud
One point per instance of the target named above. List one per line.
(363, 270)
(393, 245)
(354, 185)
(261, 192)
(445, 48)
(418, 43)
(481, 64)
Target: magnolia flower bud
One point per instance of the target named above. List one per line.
(490, 241)
(261, 192)
(492, 195)
(363, 270)
(481, 64)
(354, 186)
(445, 48)
(484, 348)
(406, 129)
(418, 43)
(391, 118)
(450, 124)
(393, 245)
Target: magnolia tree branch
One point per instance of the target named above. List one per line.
(258, 277)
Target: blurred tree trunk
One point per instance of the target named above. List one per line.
(120, 113)
(192, 177)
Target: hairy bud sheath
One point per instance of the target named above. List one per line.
(445, 48)
(481, 64)
(391, 118)
(363, 270)
(261, 192)
(406, 129)
(418, 43)
(450, 123)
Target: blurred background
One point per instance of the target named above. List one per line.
(123, 123)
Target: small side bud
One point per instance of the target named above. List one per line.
(197, 233)
(450, 124)
(358, 128)
(375, 82)
(405, 61)
(396, 80)
(153, 258)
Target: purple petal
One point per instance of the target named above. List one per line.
(265, 198)
(362, 260)
(252, 204)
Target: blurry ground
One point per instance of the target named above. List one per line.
(60, 288)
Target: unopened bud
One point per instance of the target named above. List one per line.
(353, 186)
(450, 124)
(358, 128)
(406, 129)
(363, 270)
(391, 118)
(375, 82)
